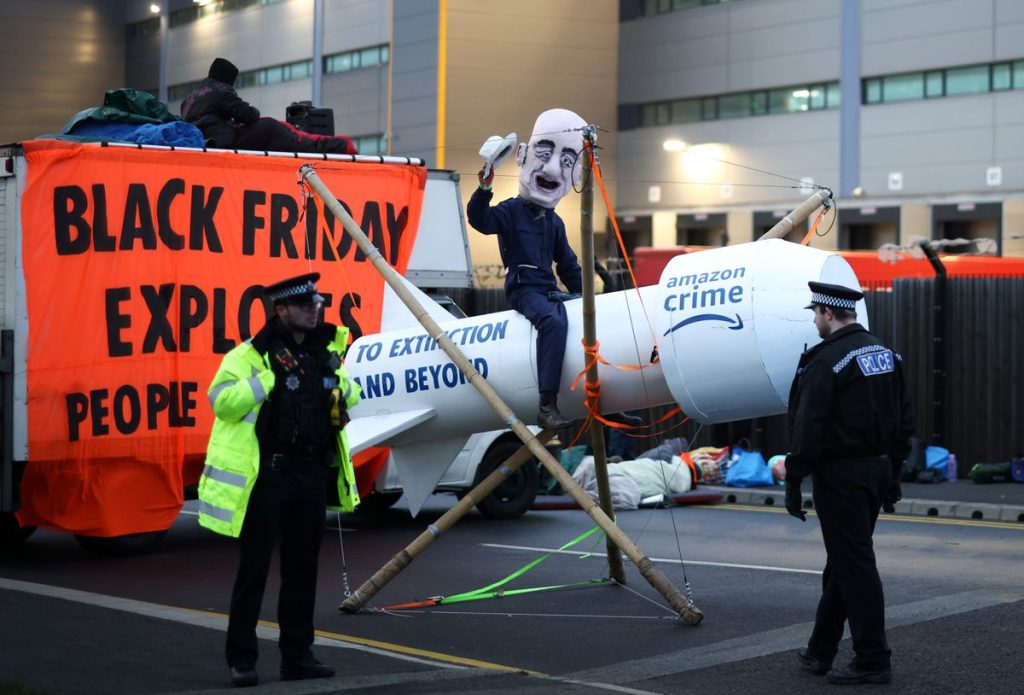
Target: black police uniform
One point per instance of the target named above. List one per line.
(851, 421)
(288, 502)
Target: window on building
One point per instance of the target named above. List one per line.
(648, 115)
(834, 95)
(651, 8)
(1018, 75)
(972, 80)
(873, 91)
(1002, 76)
(903, 87)
(685, 110)
(934, 84)
(709, 108)
(662, 114)
(371, 144)
(734, 105)
(272, 75)
(816, 97)
(759, 103)
(360, 58)
(788, 100)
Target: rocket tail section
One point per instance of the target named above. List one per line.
(420, 467)
(374, 430)
(396, 316)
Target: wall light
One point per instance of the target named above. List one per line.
(674, 145)
(154, 8)
(703, 162)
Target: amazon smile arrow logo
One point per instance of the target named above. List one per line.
(738, 322)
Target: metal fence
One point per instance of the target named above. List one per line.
(975, 407)
(982, 384)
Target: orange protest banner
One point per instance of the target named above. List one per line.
(142, 268)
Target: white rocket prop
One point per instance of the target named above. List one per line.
(729, 325)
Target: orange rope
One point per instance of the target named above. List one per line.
(814, 227)
(596, 168)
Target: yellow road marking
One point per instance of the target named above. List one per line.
(425, 653)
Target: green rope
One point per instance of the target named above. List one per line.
(492, 591)
(476, 596)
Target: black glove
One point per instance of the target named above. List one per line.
(894, 495)
(794, 501)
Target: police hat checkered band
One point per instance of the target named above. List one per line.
(294, 291)
(829, 300)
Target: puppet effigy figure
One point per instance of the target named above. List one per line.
(531, 237)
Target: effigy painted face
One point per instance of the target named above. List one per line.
(550, 162)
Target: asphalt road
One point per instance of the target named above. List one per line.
(77, 623)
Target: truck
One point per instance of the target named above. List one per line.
(127, 272)
(875, 270)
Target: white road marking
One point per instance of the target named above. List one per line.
(661, 560)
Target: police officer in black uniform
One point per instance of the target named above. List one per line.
(296, 441)
(850, 424)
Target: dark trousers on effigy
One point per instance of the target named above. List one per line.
(552, 323)
(848, 495)
(286, 506)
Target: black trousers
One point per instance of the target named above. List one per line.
(289, 506)
(272, 134)
(549, 318)
(848, 495)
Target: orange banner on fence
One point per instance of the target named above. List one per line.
(142, 268)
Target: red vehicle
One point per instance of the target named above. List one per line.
(872, 271)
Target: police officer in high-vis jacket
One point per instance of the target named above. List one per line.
(850, 423)
(278, 455)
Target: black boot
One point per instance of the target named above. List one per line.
(548, 416)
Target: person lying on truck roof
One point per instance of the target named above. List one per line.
(230, 122)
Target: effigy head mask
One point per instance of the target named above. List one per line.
(550, 163)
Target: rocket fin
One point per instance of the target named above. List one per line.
(420, 467)
(396, 316)
(365, 432)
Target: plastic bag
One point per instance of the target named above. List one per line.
(936, 463)
(748, 469)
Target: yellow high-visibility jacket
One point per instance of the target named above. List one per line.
(238, 390)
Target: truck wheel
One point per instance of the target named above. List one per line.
(516, 493)
(11, 532)
(123, 546)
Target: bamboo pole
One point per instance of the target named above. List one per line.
(686, 610)
(820, 197)
(404, 557)
(597, 443)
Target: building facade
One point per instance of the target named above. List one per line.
(911, 111)
(718, 116)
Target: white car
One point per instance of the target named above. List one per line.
(482, 453)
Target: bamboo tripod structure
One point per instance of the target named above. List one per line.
(689, 613)
(597, 442)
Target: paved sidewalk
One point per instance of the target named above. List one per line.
(961, 499)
